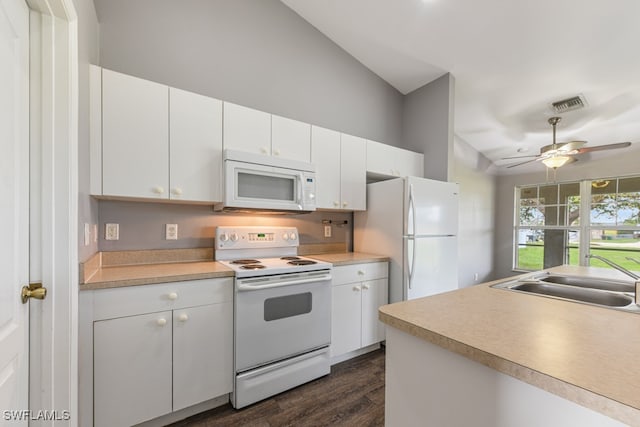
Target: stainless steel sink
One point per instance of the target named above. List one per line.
(601, 292)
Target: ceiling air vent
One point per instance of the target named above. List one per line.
(569, 104)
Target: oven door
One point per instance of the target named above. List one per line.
(253, 186)
(277, 317)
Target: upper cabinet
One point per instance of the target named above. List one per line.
(195, 146)
(340, 161)
(388, 161)
(254, 131)
(152, 141)
(135, 136)
(290, 139)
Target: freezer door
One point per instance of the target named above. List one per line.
(431, 266)
(431, 207)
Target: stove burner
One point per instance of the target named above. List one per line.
(289, 258)
(302, 262)
(253, 267)
(245, 261)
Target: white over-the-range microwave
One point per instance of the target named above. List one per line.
(267, 183)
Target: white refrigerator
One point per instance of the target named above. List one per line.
(413, 221)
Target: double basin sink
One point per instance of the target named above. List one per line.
(614, 294)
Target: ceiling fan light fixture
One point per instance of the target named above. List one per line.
(556, 161)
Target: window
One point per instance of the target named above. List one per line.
(561, 223)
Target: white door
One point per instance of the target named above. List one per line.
(435, 205)
(14, 204)
(290, 139)
(246, 129)
(325, 154)
(353, 172)
(433, 263)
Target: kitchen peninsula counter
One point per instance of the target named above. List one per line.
(585, 354)
(349, 258)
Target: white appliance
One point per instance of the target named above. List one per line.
(254, 181)
(413, 221)
(282, 311)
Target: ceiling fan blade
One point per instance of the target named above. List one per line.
(604, 147)
(519, 157)
(571, 146)
(521, 163)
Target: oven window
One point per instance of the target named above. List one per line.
(252, 186)
(287, 306)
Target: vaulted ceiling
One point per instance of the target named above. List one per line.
(510, 60)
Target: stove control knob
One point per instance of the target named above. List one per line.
(234, 237)
(293, 236)
(285, 236)
(224, 237)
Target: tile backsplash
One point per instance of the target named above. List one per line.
(142, 225)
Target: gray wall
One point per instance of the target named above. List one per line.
(624, 163)
(476, 231)
(88, 48)
(427, 126)
(142, 225)
(259, 54)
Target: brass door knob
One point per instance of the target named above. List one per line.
(34, 290)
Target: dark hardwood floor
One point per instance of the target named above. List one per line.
(352, 395)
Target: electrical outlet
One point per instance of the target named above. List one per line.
(112, 231)
(171, 232)
(327, 231)
(476, 276)
(87, 234)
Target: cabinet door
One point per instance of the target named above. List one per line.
(290, 139)
(135, 137)
(132, 369)
(325, 154)
(409, 163)
(246, 129)
(195, 147)
(202, 353)
(353, 171)
(374, 294)
(380, 159)
(345, 318)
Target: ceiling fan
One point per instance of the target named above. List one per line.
(556, 155)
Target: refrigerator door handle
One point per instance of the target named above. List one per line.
(411, 266)
(412, 206)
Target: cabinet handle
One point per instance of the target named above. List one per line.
(161, 322)
(365, 287)
(276, 152)
(183, 317)
(263, 150)
(356, 288)
(177, 191)
(158, 190)
(344, 204)
(336, 203)
(173, 296)
(360, 272)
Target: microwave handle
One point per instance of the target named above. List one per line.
(300, 184)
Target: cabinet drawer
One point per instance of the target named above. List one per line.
(359, 272)
(133, 300)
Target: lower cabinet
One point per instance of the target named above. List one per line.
(151, 364)
(358, 291)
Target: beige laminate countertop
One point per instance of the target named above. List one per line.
(146, 274)
(113, 276)
(348, 258)
(586, 354)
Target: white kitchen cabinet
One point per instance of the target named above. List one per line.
(246, 129)
(132, 369)
(290, 139)
(159, 348)
(388, 161)
(202, 366)
(340, 161)
(152, 141)
(195, 147)
(358, 291)
(135, 136)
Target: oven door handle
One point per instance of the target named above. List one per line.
(242, 287)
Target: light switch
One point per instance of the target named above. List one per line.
(87, 234)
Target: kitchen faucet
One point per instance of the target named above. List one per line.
(623, 270)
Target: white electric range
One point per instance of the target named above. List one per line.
(282, 311)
